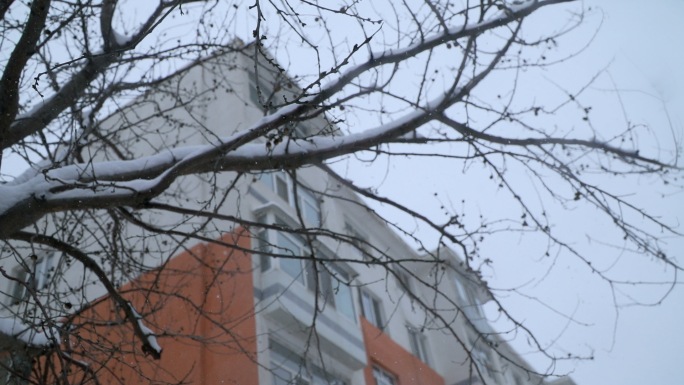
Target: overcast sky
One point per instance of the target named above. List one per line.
(645, 39)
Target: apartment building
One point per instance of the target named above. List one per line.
(294, 281)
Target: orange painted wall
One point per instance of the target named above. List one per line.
(385, 353)
(200, 304)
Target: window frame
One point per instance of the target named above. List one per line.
(286, 181)
(358, 241)
(338, 284)
(418, 343)
(481, 357)
(302, 371)
(383, 377)
(297, 262)
(296, 378)
(371, 308)
(309, 204)
(332, 281)
(33, 274)
(467, 297)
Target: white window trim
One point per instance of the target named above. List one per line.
(482, 360)
(467, 297)
(357, 240)
(301, 370)
(418, 343)
(305, 197)
(382, 377)
(481, 357)
(373, 310)
(333, 272)
(296, 242)
(340, 276)
(35, 273)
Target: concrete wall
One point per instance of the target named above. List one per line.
(222, 315)
(198, 309)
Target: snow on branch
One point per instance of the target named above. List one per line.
(150, 344)
(148, 338)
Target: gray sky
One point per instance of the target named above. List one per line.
(644, 39)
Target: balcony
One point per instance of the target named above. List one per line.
(290, 305)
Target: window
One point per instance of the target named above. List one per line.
(282, 184)
(287, 244)
(418, 343)
(381, 377)
(311, 211)
(342, 294)
(33, 274)
(325, 278)
(481, 358)
(262, 247)
(467, 298)
(288, 368)
(333, 286)
(283, 376)
(372, 309)
(357, 240)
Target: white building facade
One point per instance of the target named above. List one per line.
(338, 297)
